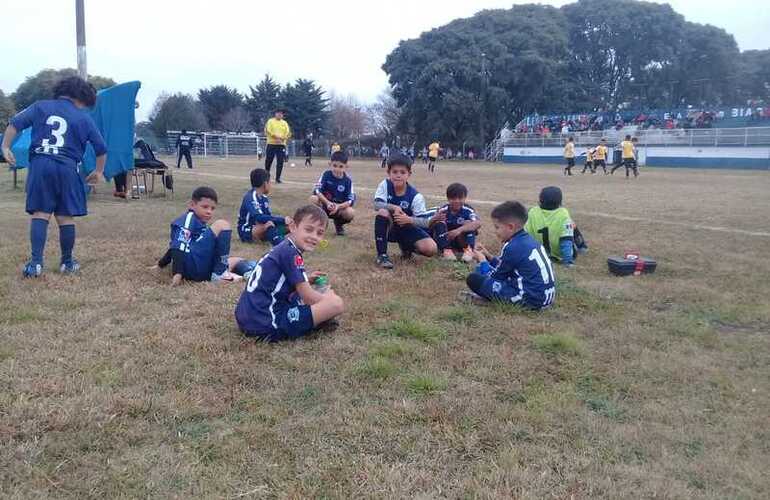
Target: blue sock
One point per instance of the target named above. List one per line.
(222, 251)
(470, 239)
(38, 232)
(381, 225)
(273, 235)
(439, 234)
(66, 242)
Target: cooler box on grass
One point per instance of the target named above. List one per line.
(631, 263)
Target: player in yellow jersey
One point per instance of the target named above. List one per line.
(629, 157)
(600, 156)
(569, 155)
(433, 151)
(589, 164)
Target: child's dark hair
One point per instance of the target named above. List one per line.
(310, 211)
(75, 87)
(571, 139)
(258, 177)
(397, 159)
(456, 190)
(628, 137)
(550, 198)
(204, 192)
(340, 156)
(510, 211)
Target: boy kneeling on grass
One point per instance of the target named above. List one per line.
(199, 251)
(278, 302)
(522, 273)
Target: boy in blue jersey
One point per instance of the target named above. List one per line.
(455, 225)
(334, 193)
(399, 209)
(278, 302)
(60, 131)
(199, 251)
(256, 221)
(522, 273)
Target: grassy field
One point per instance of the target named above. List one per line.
(113, 384)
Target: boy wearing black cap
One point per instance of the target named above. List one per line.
(552, 225)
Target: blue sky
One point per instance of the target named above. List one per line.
(183, 45)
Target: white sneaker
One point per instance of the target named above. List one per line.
(448, 255)
(226, 276)
(467, 254)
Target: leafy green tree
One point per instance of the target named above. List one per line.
(40, 86)
(262, 101)
(217, 101)
(753, 78)
(176, 112)
(6, 110)
(306, 106)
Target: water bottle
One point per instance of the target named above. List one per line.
(321, 284)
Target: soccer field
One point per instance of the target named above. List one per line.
(116, 385)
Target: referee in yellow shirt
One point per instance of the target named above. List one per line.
(278, 133)
(629, 157)
(569, 155)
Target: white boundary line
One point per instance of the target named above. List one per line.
(493, 203)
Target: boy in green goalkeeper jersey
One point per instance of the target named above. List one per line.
(552, 225)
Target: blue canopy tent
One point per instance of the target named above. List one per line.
(114, 117)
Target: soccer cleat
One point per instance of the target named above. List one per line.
(472, 298)
(384, 262)
(406, 255)
(32, 270)
(467, 254)
(278, 181)
(70, 267)
(340, 231)
(448, 255)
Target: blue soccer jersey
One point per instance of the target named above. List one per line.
(411, 202)
(334, 189)
(185, 231)
(255, 209)
(454, 219)
(270, 296)
(60, 131)
(522, 273)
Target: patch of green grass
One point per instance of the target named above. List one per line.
(558, 344)
(409, 328)
(5, 353)
(464, 315)
(599, 398)
(392, 349)
(106, 376)
(18, 314)
(376, 367)
(426, 384)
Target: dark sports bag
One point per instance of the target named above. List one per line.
(632, 263)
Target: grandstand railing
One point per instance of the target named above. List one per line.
(749, 136)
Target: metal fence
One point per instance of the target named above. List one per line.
(749, 136)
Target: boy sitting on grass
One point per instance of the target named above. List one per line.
(334, 193)
(278, 302)
(399, 208)
(199, 251)
(455, 225)
(522, 273)
(256, 222)
(552, 226)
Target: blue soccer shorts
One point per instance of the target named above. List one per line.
(199, 261)
(406, 236)
(55, 187)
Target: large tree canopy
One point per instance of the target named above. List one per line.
(306, 107)
(217, 102)
(6, 110)
(40, 86)
(176, 112)
(462, 81)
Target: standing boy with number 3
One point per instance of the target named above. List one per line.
(60, 131)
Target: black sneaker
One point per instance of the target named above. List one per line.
(278, 181)
(406, 255)
(328, 326)
(340, 231)
(384, 262)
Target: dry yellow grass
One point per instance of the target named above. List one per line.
(114, 384)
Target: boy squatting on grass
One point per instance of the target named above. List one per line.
(399, 206)
(522, 273)
(552, 226)
(455, 225)
(199, 251)
(334, 193)
(256, 221)
(278, 302)
(60, 131)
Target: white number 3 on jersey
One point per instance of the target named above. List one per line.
(58, 129)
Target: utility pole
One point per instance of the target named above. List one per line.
(80, 27)
(482, 99)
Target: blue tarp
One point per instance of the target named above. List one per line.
(114, 117)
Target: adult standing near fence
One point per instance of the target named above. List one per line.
(183, 148)
(278, 133)
(308, 147)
